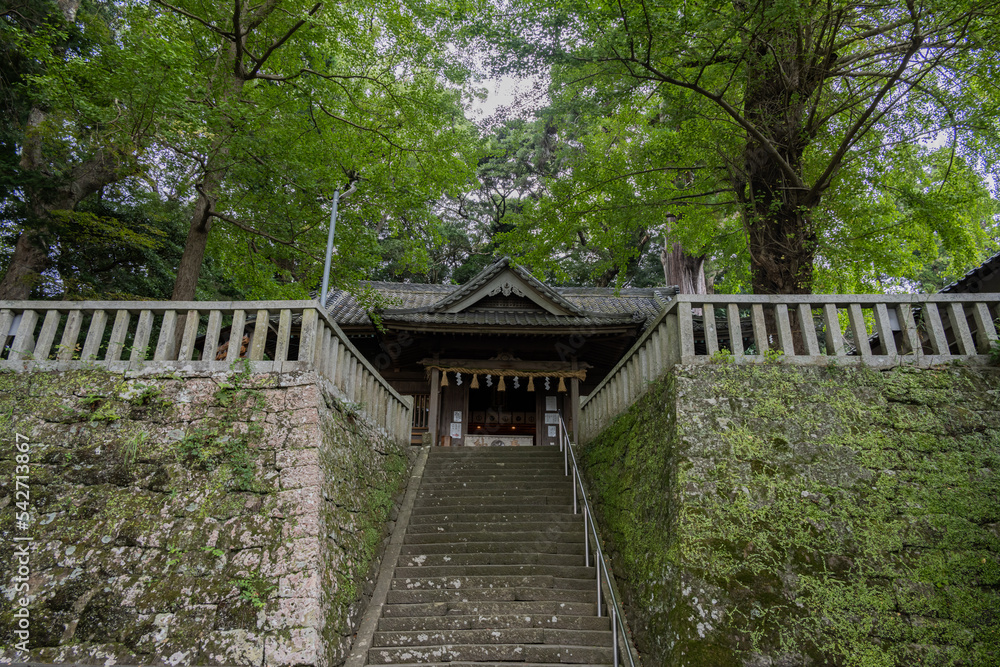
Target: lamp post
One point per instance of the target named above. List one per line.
(329, 240)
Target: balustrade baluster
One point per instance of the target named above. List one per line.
(261, 325)
(71, 333)
(735, 330)
(859, 331)
(985, 328)
(212, 333)
(24, 340)
(808, 327)
(95, 335)
(143, 329)
(119, 330)
(935, 329)
(760, 336)
(884, 328)
(236, 335)
(832, 333)
(784, 329)
(284, 335)
(711, 331)
(165, 345)
(191, 323)
(960, 328)
(47, 336)
(910, 336)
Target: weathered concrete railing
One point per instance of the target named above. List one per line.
(197, 336)
(872, 330)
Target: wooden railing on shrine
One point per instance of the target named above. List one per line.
(148, 337)
(872, 330)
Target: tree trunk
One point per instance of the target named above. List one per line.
(189, 268)
(26, 266)
(684, 270)
(777, 209)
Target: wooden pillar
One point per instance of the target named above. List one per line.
(435, 406)
(574, 400)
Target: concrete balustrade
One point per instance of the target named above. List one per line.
(148, 337)
(813, 329)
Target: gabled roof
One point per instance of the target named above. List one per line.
(449, 306)
(502, 277)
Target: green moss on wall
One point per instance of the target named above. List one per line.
(824, 516)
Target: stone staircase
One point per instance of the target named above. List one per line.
(491, 570)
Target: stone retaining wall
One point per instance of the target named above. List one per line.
(228, 519)
(774, 515)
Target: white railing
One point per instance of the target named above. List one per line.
(195, 336)
(620, 637)
(871, 330)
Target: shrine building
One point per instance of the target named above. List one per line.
(494, 361)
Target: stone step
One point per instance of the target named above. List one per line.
(500, 476)
(452, 527)
(545, 654)
(494, 505)
(486, 462)
(458, 514)
(527, 558)
(530, 608)
(473, 497)
(495, 594)
(555, 534)
(514, 482)
(549, 547)
(493, 622)
(554, 467)
(459, 582)
(545, 450)
(497, 489)
(454, 570)
(531, 635)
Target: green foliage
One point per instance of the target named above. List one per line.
(810, 164)
(255, 590)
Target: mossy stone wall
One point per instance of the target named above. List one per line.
(778, 515)
(227, 519)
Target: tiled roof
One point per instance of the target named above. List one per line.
(508, 318)
(973, 280)
(635, 304)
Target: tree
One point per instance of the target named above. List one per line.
(300, 98)
(80, 110)
(785, 103)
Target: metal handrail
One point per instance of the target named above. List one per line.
(601, 565)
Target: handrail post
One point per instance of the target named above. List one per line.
(614, 640)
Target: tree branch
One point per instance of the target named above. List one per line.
(182, 12)
(849, 138)
(256, 232)
(281, 40)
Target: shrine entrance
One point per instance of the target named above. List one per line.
(494, 361)
(498, 407)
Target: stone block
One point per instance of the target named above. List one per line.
(294, 612)
(307, 396)
(304, 584)
(298, 501)
(299, 646)
(290, 458)
(301, 476)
